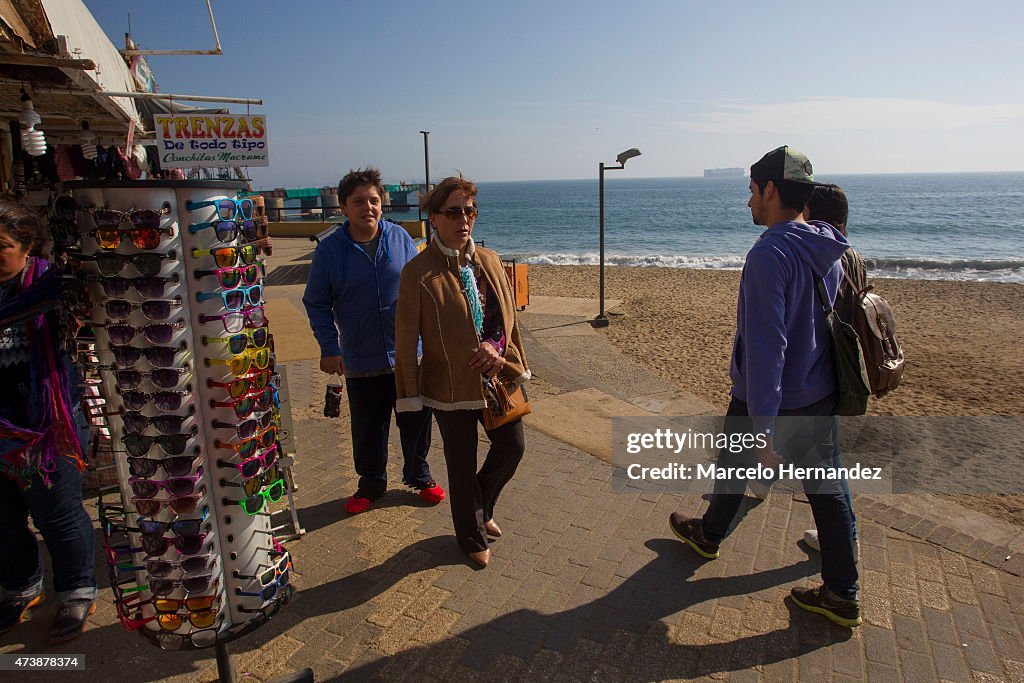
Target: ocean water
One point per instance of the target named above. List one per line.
(930, 226)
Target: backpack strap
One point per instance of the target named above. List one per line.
(823, 295)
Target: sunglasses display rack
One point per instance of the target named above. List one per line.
(175, 278)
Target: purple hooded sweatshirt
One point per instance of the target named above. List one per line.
(782, 354)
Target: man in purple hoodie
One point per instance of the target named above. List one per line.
(782, 368)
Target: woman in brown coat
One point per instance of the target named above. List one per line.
(456, 299)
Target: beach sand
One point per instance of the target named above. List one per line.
(961, 339)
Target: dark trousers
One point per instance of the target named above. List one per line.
(472, 493)
(58, 514)
(371, 401)
(804, 437)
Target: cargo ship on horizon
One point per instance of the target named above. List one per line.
(724, 172)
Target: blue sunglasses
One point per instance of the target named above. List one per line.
(228, 209)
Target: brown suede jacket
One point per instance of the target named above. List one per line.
(433, 307)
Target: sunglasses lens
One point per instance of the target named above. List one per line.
(187, 527)
(245, 208)
(166, 605)
(146, 219)
(134, 400)
(159, 568)
(185, 505)
(234, 323)
(133, 422)
(202, 619)
(238, 388)
(114, 286)
(276, 491)
(165, 378)
(120, 334)
(151, 527)
(108, 238)
(154, 545)
(261, 380)
(129, 379)
(226, 230)
(204, 638)
(159, 334)
(150, 286)
(167, 400)
(233, 300)
(247, 253)
(240, 365)
(250, 230)
(195, 584)
(250, 468)
(252, 505)
(170, 622)
(146, 238)
(142, 467)
(226, 209)
(229, 279)
(160, 356)
(244, 408)
(126, 355)
(145, 489)
(259, 337)
(250, 274)
(256, 317)
(225, 257)
(161, 586)
(253, 486)
(268, 437)
(118, 308)
(109, 264)
(237, 343)
(146, 507)
(148, 265)
(189, 545)
(191, 565)
(174, 444)
(156, 310)
(178, 466)
(255, 295)
(167, 424)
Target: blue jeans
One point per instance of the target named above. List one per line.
(66, 528)
(371, 401)
(807, 443)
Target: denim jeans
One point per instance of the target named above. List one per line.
(804, 443)
(371, 401)
(66, 528)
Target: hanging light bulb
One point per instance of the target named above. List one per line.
(88, 142)
(32, 140)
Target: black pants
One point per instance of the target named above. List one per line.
(371, 401)
(473, 494)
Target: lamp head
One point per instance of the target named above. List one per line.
(627, 155)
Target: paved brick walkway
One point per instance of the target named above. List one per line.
(586, 584)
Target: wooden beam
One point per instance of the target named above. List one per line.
(53, 62)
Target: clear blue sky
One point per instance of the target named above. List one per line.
(527, 90)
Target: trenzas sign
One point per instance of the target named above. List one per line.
(204, 140)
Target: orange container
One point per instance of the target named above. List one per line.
(520, 282)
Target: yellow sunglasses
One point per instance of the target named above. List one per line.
(243, 362)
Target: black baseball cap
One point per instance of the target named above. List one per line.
(784, 163)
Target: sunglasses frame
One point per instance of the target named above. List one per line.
(249, 334)
(246, 293)
(247, 321)
(250, 383)
(262, 458)
(258, 266)
(191, 206)
(241, 254)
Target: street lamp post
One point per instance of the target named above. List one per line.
(426, 167)
(602, 320)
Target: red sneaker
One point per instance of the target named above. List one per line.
(361, 501)
(430, 492)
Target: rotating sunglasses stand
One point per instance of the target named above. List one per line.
(242, 547)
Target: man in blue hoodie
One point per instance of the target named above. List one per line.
(352, 290)
(782, 368)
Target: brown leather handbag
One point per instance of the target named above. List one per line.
(505, 402)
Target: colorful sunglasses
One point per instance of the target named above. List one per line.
(159, 568)
(237, 321)
(237, 343)
(244, 407)
(194, 583)
(230, 230)
(142, 238)
(154, 309)
(242, 386)
(235, 299)
(225, 257)
(270, 610)
(179, 527)
(152, 287)
(247, 448)
(155, 546)
(140, 218)
(253, 505)
(253, 466)
(176, 486)
(233, 277)
(227, 209)
(279, 578)
(242, 363)
(256, 484)
(247, 429)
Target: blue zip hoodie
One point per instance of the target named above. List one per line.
(354, 293)
(782, 355)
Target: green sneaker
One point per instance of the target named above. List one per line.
(689, 532)
(822, 601)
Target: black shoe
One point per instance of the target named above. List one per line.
(12, 612)
(822, 601)
(70, 619)
(689, 531)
